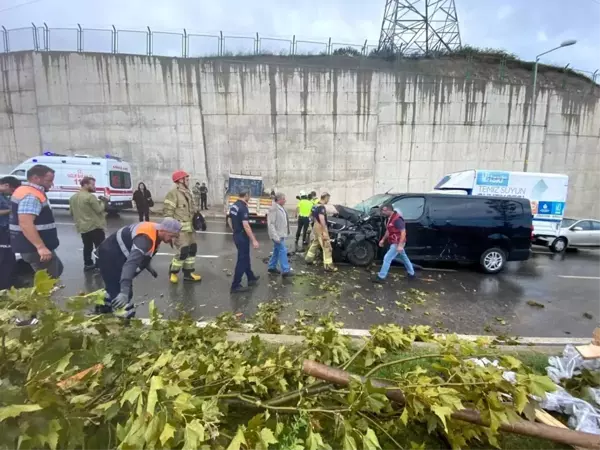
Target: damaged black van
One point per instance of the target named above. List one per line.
(440, 227)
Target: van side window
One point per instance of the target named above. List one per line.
(18, 173)
(411, 207)
(513, 210)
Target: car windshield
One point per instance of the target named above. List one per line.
(377, 200)
(567, 222)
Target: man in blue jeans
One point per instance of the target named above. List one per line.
(239, 221)
(395, 234)
(279, 230)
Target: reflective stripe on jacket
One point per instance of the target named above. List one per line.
(126, 235)
(44, 222)
(179, 204)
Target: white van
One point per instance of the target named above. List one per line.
(113, 178)
(547, 193)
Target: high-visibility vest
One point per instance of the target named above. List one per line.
(44, 222)
(126, 235)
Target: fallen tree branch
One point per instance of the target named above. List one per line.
(522, 427)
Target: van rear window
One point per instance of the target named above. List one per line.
(120, 180)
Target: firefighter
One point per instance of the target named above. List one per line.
(179, 204)
(321, 235)
(126, 253)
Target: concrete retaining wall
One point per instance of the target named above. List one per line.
(351, 132)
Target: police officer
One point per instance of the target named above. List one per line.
(242, 236)
(126, 253)
(7, 257)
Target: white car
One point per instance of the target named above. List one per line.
(577, 233)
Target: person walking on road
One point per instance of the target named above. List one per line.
(242, 237)
(125, 254)
(143, 202)
(89, 213)
(7, 257)
(303, 210)
(279, 230)
(321, 235)
(33, 231)
(395, 234)
(179, 204)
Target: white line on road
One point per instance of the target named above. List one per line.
(575, 277)
(197, 256)
(212, 232)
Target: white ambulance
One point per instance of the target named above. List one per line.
(547, 193)
(113, 178)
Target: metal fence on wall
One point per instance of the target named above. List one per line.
(181, 44)
(161, 43)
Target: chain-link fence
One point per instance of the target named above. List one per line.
(190, 45)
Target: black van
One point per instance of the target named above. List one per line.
(439, 227)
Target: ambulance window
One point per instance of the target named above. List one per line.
(120, 180)
(19, 173)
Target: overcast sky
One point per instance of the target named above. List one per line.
(525, 27)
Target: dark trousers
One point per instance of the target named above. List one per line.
(242, 266)
(144, 215)
(91, 239)
(7, 260)
(303, 224)
(111, 264)
(203, 201)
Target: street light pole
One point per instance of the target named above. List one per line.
(533, 98)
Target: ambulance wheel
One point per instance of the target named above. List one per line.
(559, 245)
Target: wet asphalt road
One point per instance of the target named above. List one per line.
(449, 298)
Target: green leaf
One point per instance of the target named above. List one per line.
(521, 400)
(167, 433)
(238, 439)
(370, 441)
(51, 436)
(194, 435)
(404, 416)
(314, 441)
(510, 362)
(131, 395)
(63, 363)
(152, 431)
(349, 442)
(266, 438)
(43, 283)
(16, 410)
(442, 412)
(540, 384)
(415, 446)
(78, 399)
(156, 383)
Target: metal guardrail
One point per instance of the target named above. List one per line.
(182, 45)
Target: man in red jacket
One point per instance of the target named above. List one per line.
(395, 234)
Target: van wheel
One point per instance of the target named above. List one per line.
(360, 253)
(493, 260)
(559, 245)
